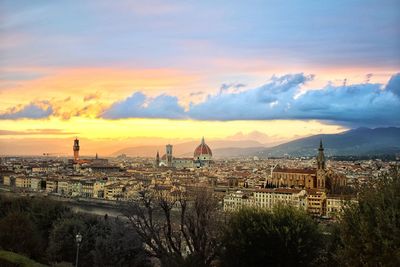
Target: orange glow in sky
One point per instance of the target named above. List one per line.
(145, 72)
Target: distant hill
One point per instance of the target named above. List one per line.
(360, 142)
(356, 142)
(185, 149)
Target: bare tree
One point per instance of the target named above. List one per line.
(179, 229)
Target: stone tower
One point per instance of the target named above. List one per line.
(168, 154)
(157, 162)
(321, 172)
(76, 149)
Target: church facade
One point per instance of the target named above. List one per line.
(312, 178)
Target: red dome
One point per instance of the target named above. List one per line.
(202, 149)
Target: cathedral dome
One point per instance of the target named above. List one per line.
(202, 151)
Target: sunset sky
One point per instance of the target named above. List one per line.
(125, 73)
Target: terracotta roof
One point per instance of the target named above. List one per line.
(304, 171)
(315, 191)
(287, 190)
(202, 149)
(265, 190)
(279, 190)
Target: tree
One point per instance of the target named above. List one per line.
(104, 242)
(62, 244)
(370, 229)
(178, 230)
(43, 213)
(282, 237)
(18, 234)
(12, 204)
(119, 246)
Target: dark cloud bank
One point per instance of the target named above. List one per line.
(364, 104)
(30, 111)
(352, 105)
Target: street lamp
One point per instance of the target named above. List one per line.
(78, 239)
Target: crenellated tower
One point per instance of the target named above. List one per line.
(76, 149)
(157, 162)
(321, 172)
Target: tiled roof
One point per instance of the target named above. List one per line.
(202, 149)
(303, 171)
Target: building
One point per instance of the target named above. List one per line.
(114, 191)
(39, 169)
(63, 188)
(36, 183)
(51, 185)
(266, 199)
(316, 202)
(7, 180)
(270, 198)
(168, 155)
(297, 178)
(87, 188)
(202, 157)
(321, 170)
(103, 168)
(98, 189)
(237, 200)
(302, 178)
(76, 149)
(336, 203)
(157, 162)
(75, 187)
(23, 182)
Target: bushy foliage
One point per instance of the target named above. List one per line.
(283, 237)
(370, 229)
(107, 242)
(62, 244)
(19, 234)
(119, 245)
(45, 230)
(25, 221)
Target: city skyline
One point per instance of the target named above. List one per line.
(145, 73)
(170, 133)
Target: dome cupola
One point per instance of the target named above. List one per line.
(203, 151)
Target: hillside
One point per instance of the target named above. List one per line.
(361, 141)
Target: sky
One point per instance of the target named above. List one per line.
(126, 73)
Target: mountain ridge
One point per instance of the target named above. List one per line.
(360, 142)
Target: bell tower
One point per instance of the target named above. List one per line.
(76, 149)
(157, 163)
(321, 173)
(321, 157)
(168, 153)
